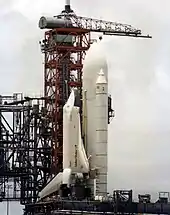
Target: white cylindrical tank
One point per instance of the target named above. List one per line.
(53, 22)
(94, 62)
(101, 118)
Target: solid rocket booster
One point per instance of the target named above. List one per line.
(101, 120)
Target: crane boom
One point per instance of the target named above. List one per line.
(68, 19)
(102, 26)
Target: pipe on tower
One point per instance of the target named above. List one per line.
(67, 2)
(68, 7)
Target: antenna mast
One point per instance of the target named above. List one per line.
(68, 7)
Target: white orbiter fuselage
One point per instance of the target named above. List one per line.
(74, 156)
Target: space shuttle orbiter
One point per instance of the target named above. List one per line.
(74, 156)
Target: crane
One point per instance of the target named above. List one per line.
(97, 25)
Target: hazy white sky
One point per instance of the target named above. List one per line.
(139, 138)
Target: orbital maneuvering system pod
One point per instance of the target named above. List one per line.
(85, 148)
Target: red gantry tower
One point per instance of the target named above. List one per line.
(64, 47)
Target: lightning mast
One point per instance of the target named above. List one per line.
(67, 39)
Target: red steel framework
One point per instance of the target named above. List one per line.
(63, 70)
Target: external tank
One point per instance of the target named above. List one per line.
(95, 62)
(101, 145)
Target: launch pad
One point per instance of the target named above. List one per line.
(53, 149)
(121, 202)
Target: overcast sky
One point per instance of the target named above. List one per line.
(139, 136)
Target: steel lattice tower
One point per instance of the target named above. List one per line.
(64, 50)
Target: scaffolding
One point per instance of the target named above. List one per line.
(24, 151)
